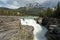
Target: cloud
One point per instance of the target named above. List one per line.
(31, 1)
(4, 1)
(9, 4)
(12, 6)
(16, 3)
(19, 3)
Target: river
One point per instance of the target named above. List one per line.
(38, 32)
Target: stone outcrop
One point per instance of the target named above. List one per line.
(26, 32)
(54, 29)
(9, 27)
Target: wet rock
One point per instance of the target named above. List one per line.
(53, 29)
(39, 20)
(54, 35)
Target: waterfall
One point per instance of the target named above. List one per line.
(39, 31)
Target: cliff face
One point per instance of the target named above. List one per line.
(26, 32)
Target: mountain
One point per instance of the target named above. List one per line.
(46, 4)
(4, 8)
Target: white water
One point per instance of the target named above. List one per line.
(39, 31)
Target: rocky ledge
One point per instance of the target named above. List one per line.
(9, 27)
(26, 32)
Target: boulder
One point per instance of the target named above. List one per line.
(26, 32)
(53, 29)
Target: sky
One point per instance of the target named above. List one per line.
(13, 4)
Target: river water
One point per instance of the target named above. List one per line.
(39, 31)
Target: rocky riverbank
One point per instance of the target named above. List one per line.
(9, 27)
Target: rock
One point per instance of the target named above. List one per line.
(45, 21)
(9, 27)
(39, 20)
(53, 35)
(26, 32)
(54, 29)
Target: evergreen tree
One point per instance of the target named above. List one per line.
(49, 12)
(57, 12)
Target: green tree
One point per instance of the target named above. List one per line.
(49, 12)
(57, 11)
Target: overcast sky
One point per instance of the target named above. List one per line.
(19, 3)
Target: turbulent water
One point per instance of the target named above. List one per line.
(39, 31)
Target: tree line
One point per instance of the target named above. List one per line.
(54, 12)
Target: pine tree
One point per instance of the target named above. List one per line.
(57, 12)
(49, 12)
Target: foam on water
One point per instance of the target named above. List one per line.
(39, 31)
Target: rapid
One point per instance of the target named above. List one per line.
(38, 32)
